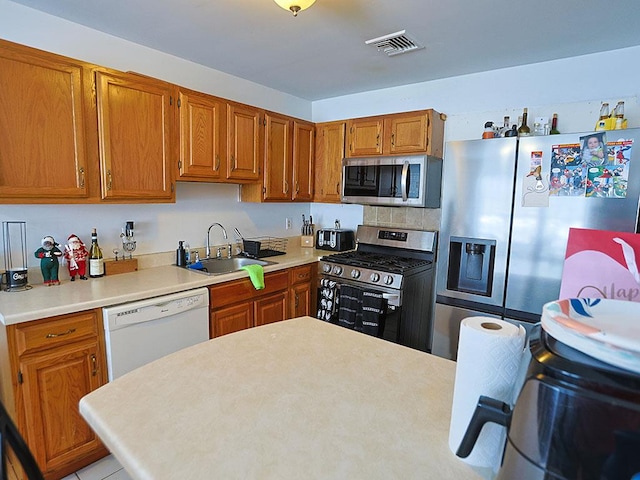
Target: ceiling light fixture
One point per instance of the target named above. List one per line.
(295, 6)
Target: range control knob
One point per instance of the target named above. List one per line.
(375, 277)
(337, 269)
(326, 268)
(388, 280)
(355, 273)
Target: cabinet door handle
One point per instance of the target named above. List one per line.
(286, 187)
(54, 335)
(297, 187)
(338, 187)
(297, 301)
(109, 180)
(81, 171)
(378, 140)
(217, 167)
(94, 365)
(393, 139)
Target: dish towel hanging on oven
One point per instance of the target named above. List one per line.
(328, 301)
(362, 310)
(374, 313)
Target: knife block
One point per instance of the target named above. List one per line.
(113, 267)
(307, 241)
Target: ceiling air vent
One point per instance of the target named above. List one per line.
(395, 43)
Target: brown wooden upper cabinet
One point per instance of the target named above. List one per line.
(303, 161)
(243, 142)
(43, 150)
(135, 136)
(397, 134)
(330, 150)
(202, 137)
(288, 152)
(278, 153)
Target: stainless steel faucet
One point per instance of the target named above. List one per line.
(208, 247)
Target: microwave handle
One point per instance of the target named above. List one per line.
(403, 181)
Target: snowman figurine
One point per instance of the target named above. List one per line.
(48, 254)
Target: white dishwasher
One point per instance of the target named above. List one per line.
(139, 332)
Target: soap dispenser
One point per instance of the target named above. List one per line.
(181, 255)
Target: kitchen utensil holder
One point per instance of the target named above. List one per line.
(260, 247)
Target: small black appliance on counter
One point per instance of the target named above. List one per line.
(575, 418)
(335, 239)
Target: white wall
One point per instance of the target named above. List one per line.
(36, 29)
(545, 88)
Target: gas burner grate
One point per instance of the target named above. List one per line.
(377, 261)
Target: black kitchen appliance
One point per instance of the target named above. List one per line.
(397, 263)
(575, 418)
(335, 239)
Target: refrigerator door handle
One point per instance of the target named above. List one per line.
(403, 181)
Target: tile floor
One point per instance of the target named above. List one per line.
(106, 468)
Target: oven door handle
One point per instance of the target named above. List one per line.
(391, 296)
(403, 181)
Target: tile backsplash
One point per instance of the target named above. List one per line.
(403, 217)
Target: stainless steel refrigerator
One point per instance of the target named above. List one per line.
(507, 206)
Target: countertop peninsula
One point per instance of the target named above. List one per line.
(294, 399)
(69, 297)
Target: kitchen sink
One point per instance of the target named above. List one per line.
(220, 266)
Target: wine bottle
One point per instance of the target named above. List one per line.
(554, 125)
(96, 262)
(524, 129)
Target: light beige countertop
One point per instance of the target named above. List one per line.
(290, 400)
(42, 301)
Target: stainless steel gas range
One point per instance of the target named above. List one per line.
(396, 265)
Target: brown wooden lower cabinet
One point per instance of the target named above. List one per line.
(237, 305)
(301, 293)
(231, 319)
(54, 363)
(271, 308)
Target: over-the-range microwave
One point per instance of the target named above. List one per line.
(412, 181)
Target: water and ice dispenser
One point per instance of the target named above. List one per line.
(471, 263)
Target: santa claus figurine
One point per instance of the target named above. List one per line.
(76, 255)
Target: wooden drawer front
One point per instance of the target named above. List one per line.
(243, 290)
(55, 331)
(300, 274)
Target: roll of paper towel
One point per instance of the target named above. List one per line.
(489, 354)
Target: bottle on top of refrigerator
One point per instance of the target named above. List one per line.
(554, 125)
(618, 113)
(513, 132)
(488, 130)
(601, 124)
(96, 261)
(505, 127)
(524, 129)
